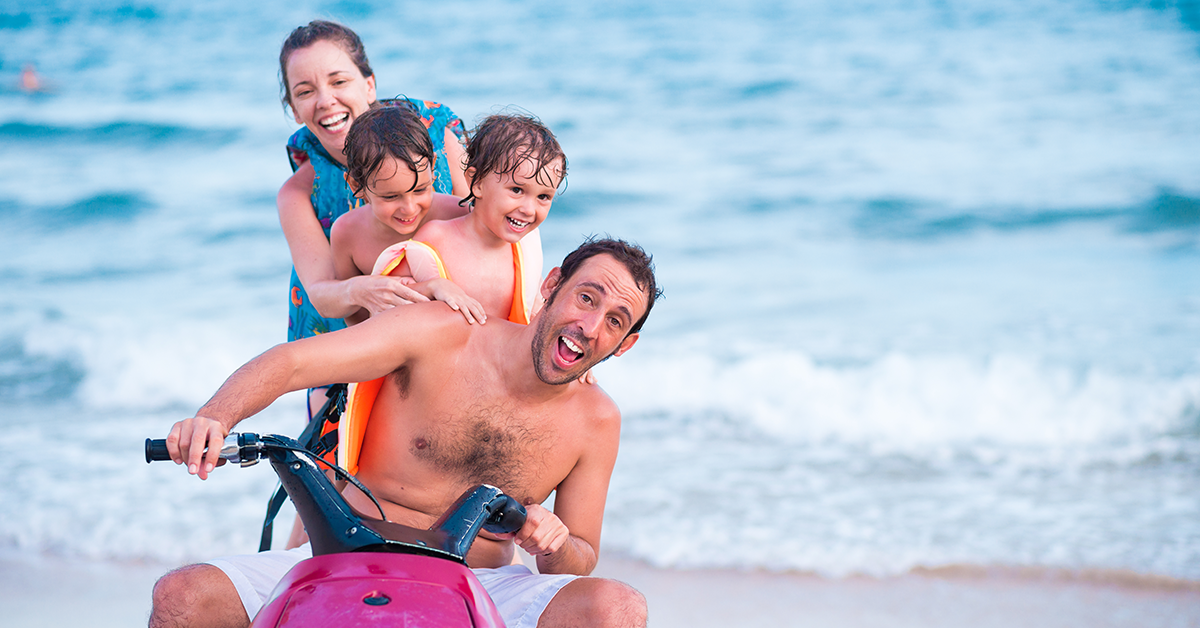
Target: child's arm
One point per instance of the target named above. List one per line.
(341, 248)
(421, 268)
(449, 293)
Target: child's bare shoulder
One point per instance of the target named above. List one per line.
(349, 225)
(434, 230)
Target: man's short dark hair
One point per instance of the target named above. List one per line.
(639, 264)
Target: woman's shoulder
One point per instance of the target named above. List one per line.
(434, 114)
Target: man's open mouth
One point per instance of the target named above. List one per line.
(568, 351)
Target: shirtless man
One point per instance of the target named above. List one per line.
(461, 404)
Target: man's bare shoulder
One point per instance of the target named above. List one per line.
(594, 405)
(432, 325)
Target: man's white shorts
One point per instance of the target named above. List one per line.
(519, 594)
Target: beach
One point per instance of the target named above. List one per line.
(51, 592)
(931, 303)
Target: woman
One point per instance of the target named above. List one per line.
(327, 82)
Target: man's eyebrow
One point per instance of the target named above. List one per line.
(594, 286)
(599, 288)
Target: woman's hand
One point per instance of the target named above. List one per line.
(377, 293)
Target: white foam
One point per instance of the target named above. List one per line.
(907, 402)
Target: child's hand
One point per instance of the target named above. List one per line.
(378, 293)
(449, 293)
(589, 377)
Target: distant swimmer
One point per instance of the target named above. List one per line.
(31, 82)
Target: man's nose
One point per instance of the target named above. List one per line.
(590, 324)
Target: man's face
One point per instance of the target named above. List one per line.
(587, 321)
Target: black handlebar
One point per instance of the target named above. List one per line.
(156, 450)
(334, 527)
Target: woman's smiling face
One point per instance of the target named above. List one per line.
(327, 92)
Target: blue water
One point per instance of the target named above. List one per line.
(932, 269)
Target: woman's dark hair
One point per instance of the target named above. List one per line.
(311, 33)
(639, 263)
(386, 130)
(502, 142)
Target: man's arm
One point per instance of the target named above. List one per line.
(360, 353)
(573, 546)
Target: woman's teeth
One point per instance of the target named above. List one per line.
(334, 122)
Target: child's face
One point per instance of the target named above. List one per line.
(327, 92)
(399, 197)
(513, 204)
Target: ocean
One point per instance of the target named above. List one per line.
(931, 269)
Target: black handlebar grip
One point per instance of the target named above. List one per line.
(507, 516)
(156, 449)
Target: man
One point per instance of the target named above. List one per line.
(460, 404)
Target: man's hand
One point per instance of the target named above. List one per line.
(543, 533)
(188, 440)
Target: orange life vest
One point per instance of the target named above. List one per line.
(425, 264)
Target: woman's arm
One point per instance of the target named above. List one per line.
(456, 156)
(313, 258)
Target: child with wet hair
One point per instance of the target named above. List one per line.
(515, 167)
(389, 165)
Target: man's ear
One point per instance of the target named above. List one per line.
(626, 344)
(550, 283)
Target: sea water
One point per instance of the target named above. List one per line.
(932, 269)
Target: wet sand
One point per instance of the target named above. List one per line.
(54, 592)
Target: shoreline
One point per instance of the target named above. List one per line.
(952, 596)
(51, 591)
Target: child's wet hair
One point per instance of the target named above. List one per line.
(311, 33)
(386, 130)
(503, 141)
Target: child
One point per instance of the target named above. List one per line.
(514, 168)
(389, 165)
